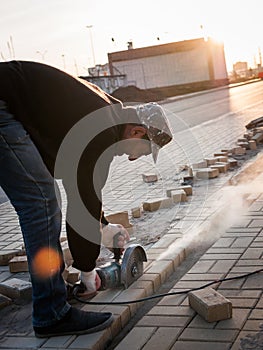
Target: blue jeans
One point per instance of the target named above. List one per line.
(30, 188)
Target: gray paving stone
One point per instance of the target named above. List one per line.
(164, 321)
(198, 345)
(222, 266)
(213, 335)
(237, 321)
(163, 338)
(137, 338)
(21, 342)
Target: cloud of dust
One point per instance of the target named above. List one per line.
(230, 211)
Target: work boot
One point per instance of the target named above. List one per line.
(76, 322)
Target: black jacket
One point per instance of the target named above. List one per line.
(49, 103)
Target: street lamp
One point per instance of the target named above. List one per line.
(91, 43)
(42, 54)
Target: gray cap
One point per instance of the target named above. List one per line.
(152, 116)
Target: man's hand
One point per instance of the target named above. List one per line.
(92, 282)
(111, 230)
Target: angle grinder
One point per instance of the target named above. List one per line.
(121, 272)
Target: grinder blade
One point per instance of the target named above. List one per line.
(132, 264)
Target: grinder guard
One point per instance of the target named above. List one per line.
(132, 264)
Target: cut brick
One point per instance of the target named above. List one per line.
(121, 218)
(226, 164)
(6, 256)
(210, 304)
(207, 173)
(4, 301)
(136, 212)
(149, 178)
(252, 145)
(239, 151)
(18, 264)
(232, 163)
(221, 154)
(242, 139)
(221, 167)
(155, 204)
(187, 189)
(222, 159)
(211, 161)
(73, 275)
(15, 288)
(178, 196)
(258, 137)
(243, 144)
(199, 165)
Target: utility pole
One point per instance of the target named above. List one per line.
(260, 57)
(91, 43)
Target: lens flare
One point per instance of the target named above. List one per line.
(46, 262)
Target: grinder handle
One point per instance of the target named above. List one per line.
(116, 250)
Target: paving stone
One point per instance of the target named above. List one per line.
(187, 189)
(163, 338)
(221, 167)
(253, 282)
(59, 342)
(250, 262)
(136, 339)
(223, 242)
(94, 341)
(207, 173)
(4, 301)
(242, 334)
(16, 288)
(158, 203)
(220, 256)
(149, 178)
(215, 335)
(202, 266)
(252, 253)
(73, 275)
(136, 212)
(252, 325)
(237, 321)
(18, 264)
(178, 196)
(210, 304)
(6, 256)
(242, 242)
(256, 314)
(197, 345)
(21, 342)
(222, 266)
(163, 268)
(171, 310)
(200, 322)
(121, 218)
(164, 321)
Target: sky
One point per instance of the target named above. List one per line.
(56, 31)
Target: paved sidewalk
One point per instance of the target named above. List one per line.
(173, 325)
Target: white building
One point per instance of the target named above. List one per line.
(177, 63)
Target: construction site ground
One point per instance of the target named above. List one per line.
(217, 233)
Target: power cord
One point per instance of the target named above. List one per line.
(75, 291)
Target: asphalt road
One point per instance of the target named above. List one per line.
(216, 103)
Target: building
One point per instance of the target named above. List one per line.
(240, 69)
(167, 65)
(100, 76)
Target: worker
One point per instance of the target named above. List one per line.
(56, 126)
